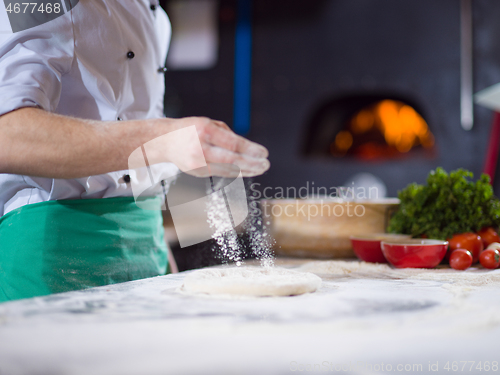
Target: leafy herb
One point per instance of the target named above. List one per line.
(448, 204)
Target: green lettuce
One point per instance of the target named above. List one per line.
(448, 204)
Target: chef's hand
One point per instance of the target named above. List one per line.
(203, 147)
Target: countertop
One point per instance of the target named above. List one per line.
(363, 320)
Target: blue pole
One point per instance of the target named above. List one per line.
(243, 68)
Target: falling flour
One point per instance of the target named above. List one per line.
(261, 242)
(229, 248)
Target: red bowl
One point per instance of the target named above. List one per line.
(367, 247)
(414, 253)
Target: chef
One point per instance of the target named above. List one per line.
(78, 94)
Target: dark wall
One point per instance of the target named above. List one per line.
(306, 52)
(206, 92)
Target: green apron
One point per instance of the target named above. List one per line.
(58, 246)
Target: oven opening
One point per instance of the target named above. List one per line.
(371, 127)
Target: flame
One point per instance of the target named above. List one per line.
(363, 121)
(401, 126)
(397, 123)
(343, 141)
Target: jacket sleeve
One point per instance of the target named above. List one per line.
(32, 63)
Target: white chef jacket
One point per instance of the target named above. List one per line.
(101, 60)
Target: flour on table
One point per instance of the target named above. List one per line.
(251, 281)
(474, 276)
(341, 267)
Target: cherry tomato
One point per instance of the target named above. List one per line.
(468, 241)
(488, 235)
(490, 258)
(460, 259)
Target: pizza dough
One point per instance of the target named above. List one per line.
(251, 281)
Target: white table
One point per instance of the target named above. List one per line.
(357, 323)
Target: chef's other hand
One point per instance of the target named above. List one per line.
(203, 147)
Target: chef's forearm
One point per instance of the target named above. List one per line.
(34, 142)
